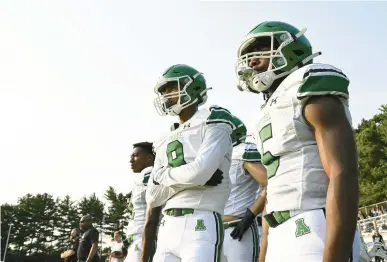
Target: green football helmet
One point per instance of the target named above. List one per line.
(192, 89)
(288, 50)
(239, 133)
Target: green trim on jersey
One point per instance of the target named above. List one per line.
(251, 153)
(324, 81)
(146, 178)
(219, 237)
(221, 115)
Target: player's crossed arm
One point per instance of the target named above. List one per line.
(215, 145)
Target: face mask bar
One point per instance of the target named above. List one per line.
(163, 101)
(247, 76)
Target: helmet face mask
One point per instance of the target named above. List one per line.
(286, 49)
(185, 85)
(164, 102)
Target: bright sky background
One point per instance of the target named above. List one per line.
(76, 77)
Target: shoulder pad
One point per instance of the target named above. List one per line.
(220, 115)
(251, 153)
(321, 79)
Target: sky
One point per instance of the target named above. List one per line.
(77, 77)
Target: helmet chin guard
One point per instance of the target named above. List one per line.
(287, 51)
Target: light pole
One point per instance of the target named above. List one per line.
(6, 244)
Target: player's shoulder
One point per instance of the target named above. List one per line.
(158, 144)
(319, 79)
(221, 116)
(246, 152)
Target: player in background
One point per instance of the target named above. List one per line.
(307, 145)
(247, 174)
(141, 162)
(191, 173)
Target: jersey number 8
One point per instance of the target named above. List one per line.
(175, 154)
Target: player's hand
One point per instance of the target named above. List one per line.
(243, 225)
(216, 178)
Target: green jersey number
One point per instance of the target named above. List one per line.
(175, 154)
(271, 162)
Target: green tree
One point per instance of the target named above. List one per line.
(68, 218)
(118, 211)
(93, 206)
(37, 216)
(371, 139)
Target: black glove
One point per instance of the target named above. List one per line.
(243, 225)
(216, 178)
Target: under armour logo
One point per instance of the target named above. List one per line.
(273, 101)
(187, 126)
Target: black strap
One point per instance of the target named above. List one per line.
(270, 219)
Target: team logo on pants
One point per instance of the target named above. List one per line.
(200, 225)
(301, 228)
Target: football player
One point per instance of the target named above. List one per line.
(241, 242)
(307, 145)
(141, 162)
(191, 172)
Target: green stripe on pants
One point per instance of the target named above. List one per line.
(255, 233)
(219, 237)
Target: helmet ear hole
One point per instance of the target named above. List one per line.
(298, 52)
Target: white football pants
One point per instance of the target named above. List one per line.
(197, 237)
(302, 239)
(134, 250)
(245, 250)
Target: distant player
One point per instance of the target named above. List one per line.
(191, 173)
(241, 242)
(141, 162)
(306, 141)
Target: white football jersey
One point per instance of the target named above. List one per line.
(182, 150)
(243, 186)
(136, 225)
(296, 177)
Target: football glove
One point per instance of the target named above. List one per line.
(243, 225)
(216, 178)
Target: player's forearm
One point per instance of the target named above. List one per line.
(258, 206)
(264, 239)
(149, 234)
(341, 217)
(158, 195)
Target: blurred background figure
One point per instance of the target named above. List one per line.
(117, 250)
(70, 255)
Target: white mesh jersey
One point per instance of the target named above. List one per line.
(136, 225)
(243, 186)
(193, 153)
(296, 178)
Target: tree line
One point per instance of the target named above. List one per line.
(371, 139)
(42, 223)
